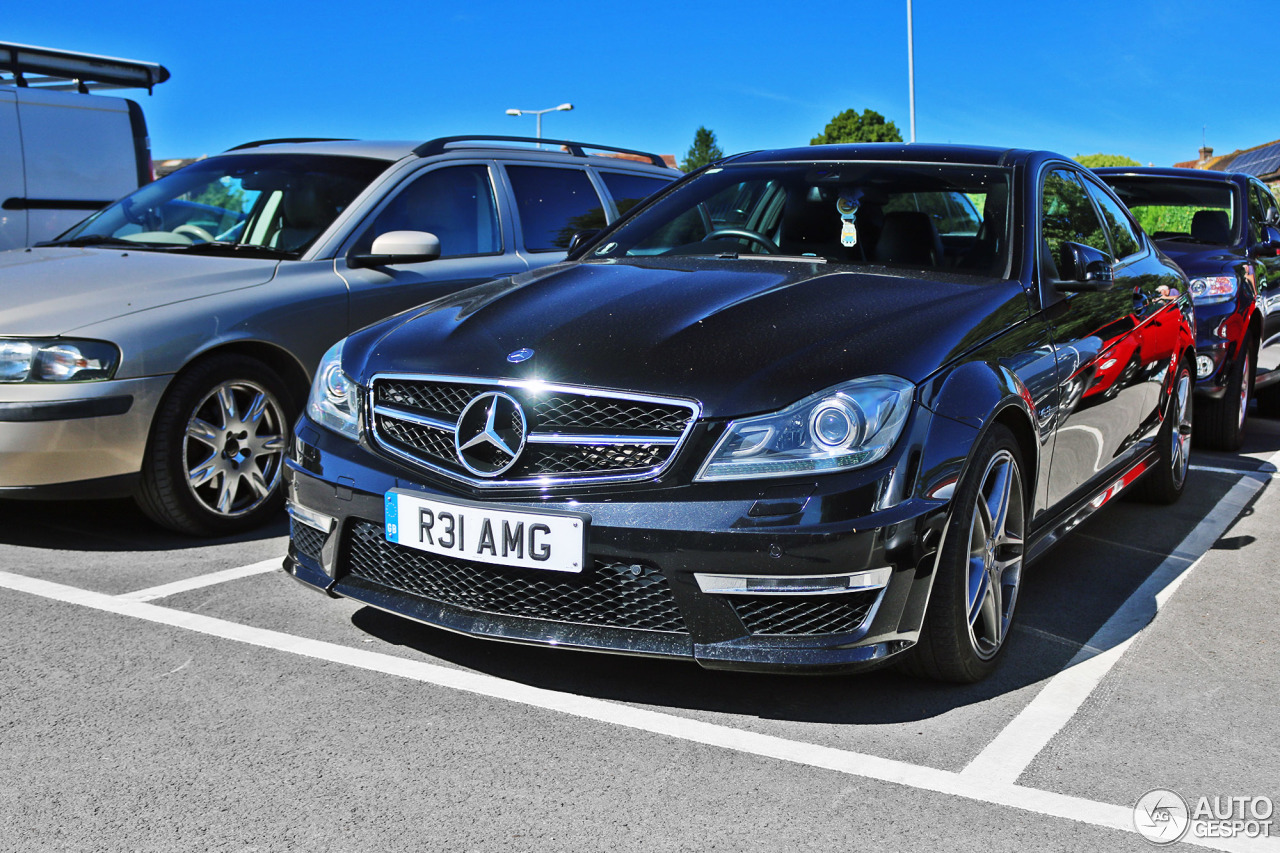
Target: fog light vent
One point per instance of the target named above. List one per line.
(1204, 366)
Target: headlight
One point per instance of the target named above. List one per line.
(335, 397)
(1213, 288)
(57, 360)
(848, 426)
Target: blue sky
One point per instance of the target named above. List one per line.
(1129, 77)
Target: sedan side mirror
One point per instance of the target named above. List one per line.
(1084, 269)
(580, 239)
(398, 247)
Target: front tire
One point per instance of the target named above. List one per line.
(975, 587)
(215, 458)
(1220, 423)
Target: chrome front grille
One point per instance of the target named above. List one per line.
(572, 434)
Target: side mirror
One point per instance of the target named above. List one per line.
(1084, 269)
(1269, 247)
(580, 239)
(399, 247)
(1272, 217)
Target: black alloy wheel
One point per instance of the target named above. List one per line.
(215, 458)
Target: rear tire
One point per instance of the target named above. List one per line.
(1220, 423)
(975, 587)
(1164, 482)
(215, 458)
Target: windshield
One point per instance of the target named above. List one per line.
(279, 203)
(908, 215)
(1179, 209)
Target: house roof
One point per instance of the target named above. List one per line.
(1261, 161)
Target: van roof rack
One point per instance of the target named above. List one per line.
(288, 139)
(577, 149)
(46, 68)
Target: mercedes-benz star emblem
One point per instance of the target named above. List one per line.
(490, 434)
(522, 354)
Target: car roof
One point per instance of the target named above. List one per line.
(1170, 172)
(393, 150)
(909, 152)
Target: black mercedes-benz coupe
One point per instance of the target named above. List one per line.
(806, 410)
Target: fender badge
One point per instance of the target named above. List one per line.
(523, 354)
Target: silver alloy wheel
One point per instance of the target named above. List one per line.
(1244, 390)
(233, 448)
(1181, 431)
(996, 534)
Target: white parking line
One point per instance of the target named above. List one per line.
(1238, 472)
(1006, 758)
(152, 593)
(981, 790)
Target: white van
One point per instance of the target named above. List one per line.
(64, 152)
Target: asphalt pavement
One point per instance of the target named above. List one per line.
(167, 694)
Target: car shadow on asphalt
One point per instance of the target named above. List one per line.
(105, 525)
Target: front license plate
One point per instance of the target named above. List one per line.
(465, 530)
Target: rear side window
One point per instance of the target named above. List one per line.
(1124, 238)
(629, 190)
(554, 204)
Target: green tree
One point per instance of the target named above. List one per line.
(851, 127)
(1098, 161)
(704, 150)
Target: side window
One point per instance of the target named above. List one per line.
(1067, 216)
(1257, 214)
(455, 203)
(1123, 235)
(553, 204)
(629, 190)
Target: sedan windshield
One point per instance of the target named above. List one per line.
(274, 204)
(918, 216)
(1179, 209)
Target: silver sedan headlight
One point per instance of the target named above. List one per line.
(848, 426)
(335, 397)
(57, 360)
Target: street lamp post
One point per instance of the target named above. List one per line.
(911, 72)
(538, 113)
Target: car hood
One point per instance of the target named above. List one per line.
(739, 336)
(1199, 259)
(54, 291)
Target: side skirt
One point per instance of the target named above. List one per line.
(1048, 534)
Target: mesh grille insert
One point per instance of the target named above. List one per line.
(613, 595)
(307, 541)
(805, 615)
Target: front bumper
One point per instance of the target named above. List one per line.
(53, 435)
(1220, 333)
(646, 546)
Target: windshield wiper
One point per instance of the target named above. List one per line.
(220, 246)
(1184, 238)
(100, 240)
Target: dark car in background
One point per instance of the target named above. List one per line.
(1223, 229)
(808, 410)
